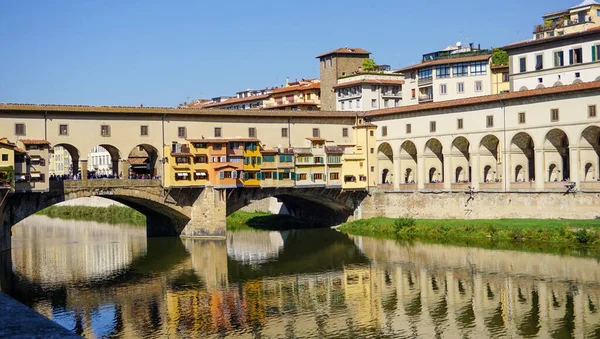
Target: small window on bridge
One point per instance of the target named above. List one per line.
(144, 131)
(217, 132)
(19, 129)
(252, 132)
(344, 132)
(63, 130)
(105, 130)
(181, 132)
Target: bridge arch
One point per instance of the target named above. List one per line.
(142, 162)
(74, 155)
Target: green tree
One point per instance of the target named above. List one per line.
(368, 64)
(499, 57)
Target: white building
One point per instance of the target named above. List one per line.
(366, 91)
(100, 161)
(559, 60)
(450, 74)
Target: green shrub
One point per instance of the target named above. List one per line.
(403, 222)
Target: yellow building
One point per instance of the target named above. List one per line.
(500, 79)
(310, 163)
(252, 161)
(300, 95)
(358, 161)
(179, 166)
(576, 19)
(7, 163)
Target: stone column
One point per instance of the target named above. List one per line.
(506, 170)
(540, 175)
(123, 168)
(83, 164)
(447, 170)
(115, 166)
(475, 171)
(208, 214)
(420, 172)
(397, 173)
(4, 226)
(574, 166)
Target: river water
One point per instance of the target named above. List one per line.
(100, 280)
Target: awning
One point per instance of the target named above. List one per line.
(20, 177)
(35, 156)
(201, 174)
(183, 174)
(35, 175)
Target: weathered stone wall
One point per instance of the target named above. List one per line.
(484, 206)
(4, 231)
(267, 205)
(208, 215)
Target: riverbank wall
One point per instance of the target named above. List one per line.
(484, 205)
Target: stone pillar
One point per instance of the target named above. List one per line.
(208, 215)
(574, 166)
(4, 226)
(540, 175)
(397, 173)
(123, 169)
(447, 170)
(83, 164)
(506, 170)
(74, 166)
(475, 171)
(420, 172)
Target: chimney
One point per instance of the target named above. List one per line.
(287, 81)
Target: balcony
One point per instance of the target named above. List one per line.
(303, 150)
(425, 81)
(425, 98)
(396, 94)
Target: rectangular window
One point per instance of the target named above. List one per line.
(413, 93)
(460, 70)
(559, 59)
(19, 129)
(489, 121)
(442, 71)
(217, 132)
(63, 130)
(302, 176)
(144, 131)
(523, 64)
(182, 132)
(478, 86)
(4, 157)
(251, 132)
(373, 103)
(371, 133)
(284, 132)
(425, 74)
(575, 56)
(397, 103)
(344, 132)
(217, 147)
(596, 52)
(386, 103)
(384, 131)
(443, 89)
(554, 114)
(317, 176)
(105, 131)
(459, 123)
(460, 87)
(408, 128)
(357, 103)
(592, 111)
(316, 133)
(201, 159)
(343, 105)
(505, 77)
(432, 126)
(522, 117)
(334, 176)
(479, 68)
(539, 62)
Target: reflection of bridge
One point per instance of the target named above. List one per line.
(418, 291)
(194, 212)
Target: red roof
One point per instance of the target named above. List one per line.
(346, 50)
(299, 103)
(300, 87)
(369, 81)
(35, 142)
(445, 61)
(485, 99)
(209, 141)
(137, 160)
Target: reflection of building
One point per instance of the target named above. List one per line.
(60, 161)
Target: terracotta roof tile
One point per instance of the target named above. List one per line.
(137, 160)
(485, 99)
(369, 81)
(7, 143)
(269, 151)
(232, 101)
(301, 103)
(209, 141)
(20, 150)
(35, 142)
(444, 61)
(301, 87)
(345, 50)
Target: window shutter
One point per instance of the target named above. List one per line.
(234, 174)
(274, 176)
(570, 57)
(593, 53)
(245, 176)
(282, 158)
(221, 175)
(246, 160)
(324, 177)
(258, 160)
(312, 177)
(280, 176)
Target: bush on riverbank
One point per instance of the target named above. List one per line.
(262, 221)
(571, 232)
(109, 215)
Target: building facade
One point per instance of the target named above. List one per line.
(369, 91)
(576, 19)
(298, 95)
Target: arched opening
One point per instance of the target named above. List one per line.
(577, 81)
(434, 160)
(408, 162)
(64, 162)
(589, 153)
(489, 159)
(556, 84)
(142, 162)
(523, 88)
(385, 162)
(540, 86)
(522, 155)
(460, 160)
(556, 152)
(103, 162)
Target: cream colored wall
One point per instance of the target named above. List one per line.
(34, 126)
(8, 151)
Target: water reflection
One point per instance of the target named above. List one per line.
(297, 284)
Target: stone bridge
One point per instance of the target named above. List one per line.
(187, 212)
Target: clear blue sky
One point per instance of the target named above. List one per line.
(162, 53)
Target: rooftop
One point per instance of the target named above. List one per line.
(451, 59)
(35, 142)
(532, 42)
(346, 50)
(369, 82)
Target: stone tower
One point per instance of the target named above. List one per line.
(335, 64)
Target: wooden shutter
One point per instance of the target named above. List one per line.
(570, 57)
(293, 176)
(594, 53)
(274, 176)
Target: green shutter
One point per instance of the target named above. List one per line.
(246, 160)
(594, 53)
(258, 160)
(259, 176)
(293, 176)
(280, 176)
(282, 158)
(570, 57)
(274, 176)
(245, 176)
(312, 177)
